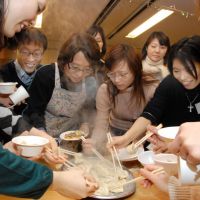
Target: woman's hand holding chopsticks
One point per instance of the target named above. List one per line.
(113, 151)
(87, 145)
(159, 146)
(98, 154)
(159, 179)
(53, 158)
(155, 171)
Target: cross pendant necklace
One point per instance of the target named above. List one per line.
(190, 107)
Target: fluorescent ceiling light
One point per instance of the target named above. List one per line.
(155, 19)
(38, 21)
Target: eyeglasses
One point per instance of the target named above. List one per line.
(76, 69)
(114, 75)
(35, 54)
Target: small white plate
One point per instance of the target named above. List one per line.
(124, 155)
(66, 135)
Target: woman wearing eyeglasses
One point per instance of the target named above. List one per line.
(177, 98)
(121, 100)
(63, 94)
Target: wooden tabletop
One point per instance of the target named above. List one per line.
(141, 193)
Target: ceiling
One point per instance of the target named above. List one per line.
(118, 18)
(183, 22)
(64, 17)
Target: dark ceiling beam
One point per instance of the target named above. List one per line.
(130, 18)
(106, 11)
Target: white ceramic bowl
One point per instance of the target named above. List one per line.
(7, 87)
(188, 174)
(168, 161)
(146, 158)
(168, 133)
(30, 145)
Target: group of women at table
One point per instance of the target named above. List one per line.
(68, 94)
(124, 92)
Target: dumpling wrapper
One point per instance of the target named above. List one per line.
(131, 149)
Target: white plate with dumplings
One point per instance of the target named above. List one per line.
(74, 135)
(127, 154)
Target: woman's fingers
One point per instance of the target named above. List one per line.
(91, 184)
(53, 157)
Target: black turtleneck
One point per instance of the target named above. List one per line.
(169, 105)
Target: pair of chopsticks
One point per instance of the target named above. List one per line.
(71, 153)
(95, 151)
(114, 153)
(143, 139)
(157, 171)
(113, 150)
(67, 163)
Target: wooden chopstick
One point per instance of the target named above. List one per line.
(71, 153)
(157, 171)
(149, 134)
(95, 151)
(67, 165)
(112, 154)
(70, 163)
(115, 151)
(47, 149)
(50, 151)
(138, 143)
(98, 154)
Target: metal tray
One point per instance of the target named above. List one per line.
(129, 189)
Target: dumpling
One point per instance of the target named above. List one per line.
(131, 149)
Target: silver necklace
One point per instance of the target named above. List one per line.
(190, 107)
